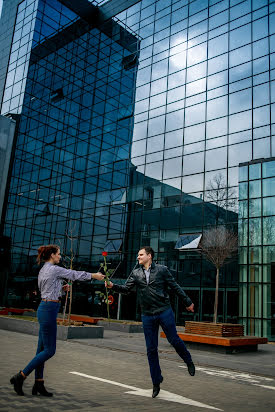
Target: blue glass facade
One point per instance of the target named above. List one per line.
(132, 132)
(257, 242)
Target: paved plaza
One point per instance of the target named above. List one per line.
(111, 374)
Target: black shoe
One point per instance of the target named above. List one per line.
(156, 389)
(191, 368)
(39, 387)
(17, 382)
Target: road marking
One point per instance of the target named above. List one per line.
(163, 395)
(266, 387)
(239, 376)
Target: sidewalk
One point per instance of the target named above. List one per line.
(261, 362)
(112, 375)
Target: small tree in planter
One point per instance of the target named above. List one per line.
(217, 245)
(69, 264)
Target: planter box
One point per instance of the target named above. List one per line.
(121, 327)
(79, 332)
(214, 329)
(63, 332)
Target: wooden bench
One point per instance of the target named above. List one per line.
(18, 311)
(85, 319)
(231, 344)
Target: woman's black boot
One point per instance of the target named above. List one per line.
(17, 382)
(39, 387)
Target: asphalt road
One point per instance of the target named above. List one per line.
(87, 377)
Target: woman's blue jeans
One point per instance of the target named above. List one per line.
(46, 314)
(151, 324)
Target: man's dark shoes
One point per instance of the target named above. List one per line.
(39, 387)
(156, 389)
(191, 368)
(17, 382)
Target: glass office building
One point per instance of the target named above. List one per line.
(131, 132)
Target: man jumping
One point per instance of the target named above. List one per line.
(152, 281)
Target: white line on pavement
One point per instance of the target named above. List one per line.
(266, 387)
(163, 395)
(104, 380)
(239, 376)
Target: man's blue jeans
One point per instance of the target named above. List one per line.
(46, 314)
(151, 324)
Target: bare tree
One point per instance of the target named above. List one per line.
(70, 234)
(217, 246)
(219, 194)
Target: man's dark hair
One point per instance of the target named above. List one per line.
(148, 250)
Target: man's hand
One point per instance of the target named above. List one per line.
(110, 285)
(191, 308)
(98, 276)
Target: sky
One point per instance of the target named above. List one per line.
(1, 1)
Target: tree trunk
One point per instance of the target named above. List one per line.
(70, 303)
(216, 296)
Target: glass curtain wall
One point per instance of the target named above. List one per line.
(204, 103)
(257, 243)
(201, 99)
(71, 165)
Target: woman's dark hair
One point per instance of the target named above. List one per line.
(148, 250)
(44, 252)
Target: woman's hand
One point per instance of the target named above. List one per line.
(98, 276)
(66, 287)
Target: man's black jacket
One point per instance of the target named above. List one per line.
(153, 297)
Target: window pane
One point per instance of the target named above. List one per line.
(240, 36)
(156, 126)
(155, 144)
(269, 206)
(154, 170)
(174, 120)
(240, 121)
(217, 108)
(255, 189)
(269, 230)
(216, 127)
(216, 159)
(240, 101)
(193, 163)
(241, 55)
(194, 133)
(197, 54)
(239, 153)
(195, 114)
(269, 187)
(172, 168)
(268, 169)
(261, 148)
(218, 46)
(260, 28)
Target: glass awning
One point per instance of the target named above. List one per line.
(112, 246)
(188, 241)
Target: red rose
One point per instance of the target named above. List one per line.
(104, 253)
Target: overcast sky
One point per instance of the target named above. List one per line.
(1, 1)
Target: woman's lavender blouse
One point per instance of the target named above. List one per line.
(50, 279)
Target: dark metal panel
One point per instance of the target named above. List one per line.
(114, 7)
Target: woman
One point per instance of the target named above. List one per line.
(50, 281)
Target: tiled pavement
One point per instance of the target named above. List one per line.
(119, 360)
(10, 401)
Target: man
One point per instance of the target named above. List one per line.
(152, 281)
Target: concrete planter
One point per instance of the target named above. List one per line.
(120, 326)
(63, 332)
